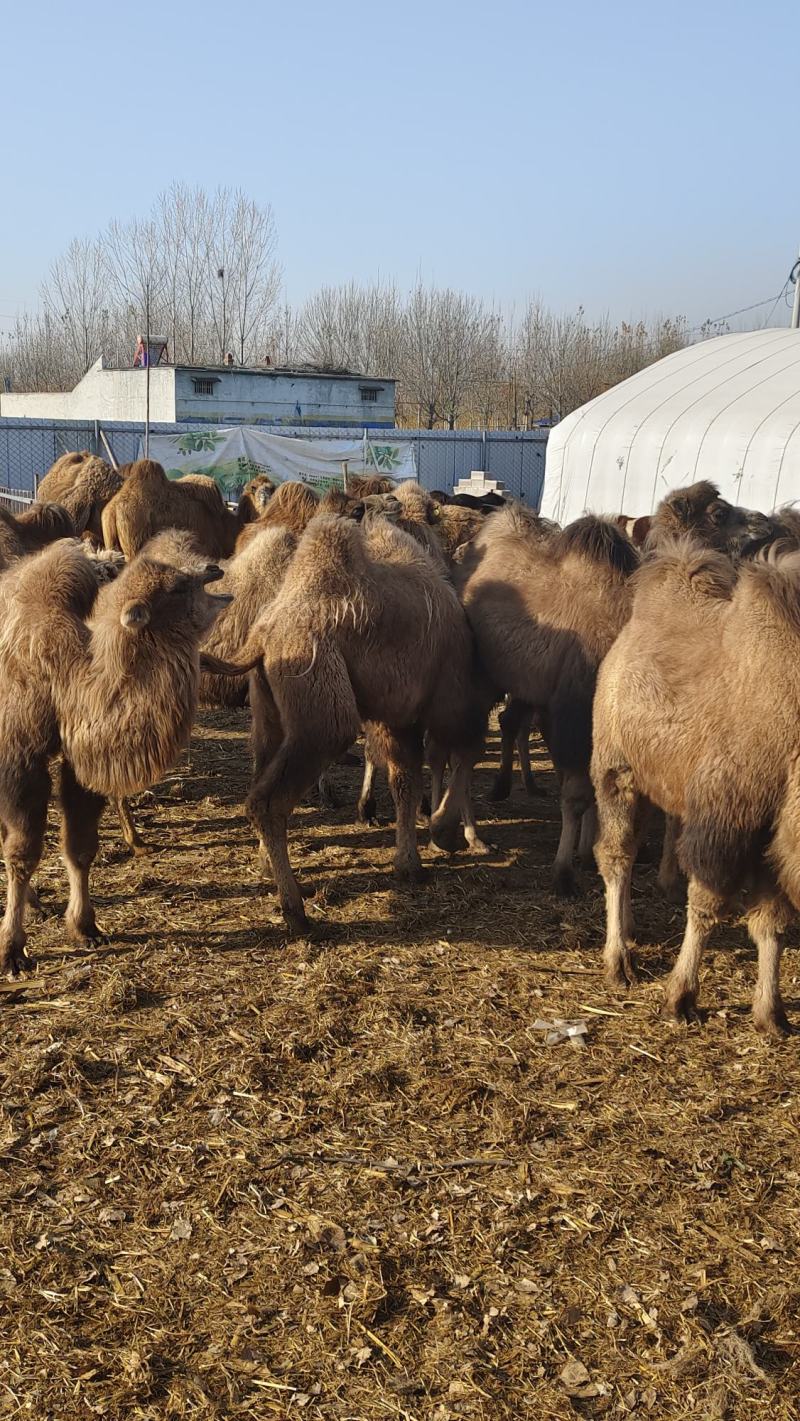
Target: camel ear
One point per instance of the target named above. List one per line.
(135, 616)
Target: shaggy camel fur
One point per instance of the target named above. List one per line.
(419, 516)
(29, 532)
(149, 502)
(698, 711)
(107, 679)
(456, 527)
(291, 506)
(364, 629)
(83, 484)
(252, 579)
(411, 508)
(546, 605)
(362, 485)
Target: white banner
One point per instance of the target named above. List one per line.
(232, 454)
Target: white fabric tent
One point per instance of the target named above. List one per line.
(726, 409)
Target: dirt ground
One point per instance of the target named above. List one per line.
(348, 1178)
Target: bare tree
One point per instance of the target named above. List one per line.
(76, 294)
(255, 276)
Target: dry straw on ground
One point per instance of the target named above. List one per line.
(347, 1178)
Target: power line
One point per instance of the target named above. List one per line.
(741, 311)
(791, 280)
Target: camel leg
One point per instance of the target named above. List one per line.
(670, 878)
(511, 721)
(587, 837)
(24, 822)
(766, 923)
(475, 844)
(404, 755)
(619, 810)
(266, 732)
(703, 909)
(437, 761)
(34, 901)
(523, 743)
(287, 776)
(455, 808)
(576, 799)
(367, 808)
(80, 820)
(328, 796)
(130, 833)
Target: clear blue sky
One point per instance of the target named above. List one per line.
(630, 157)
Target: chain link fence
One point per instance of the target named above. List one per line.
(29, 447)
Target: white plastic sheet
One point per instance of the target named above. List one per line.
(231, 453)
(726, 409)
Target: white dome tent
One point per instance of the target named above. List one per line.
(727, 410)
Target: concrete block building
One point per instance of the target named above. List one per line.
(219, 394)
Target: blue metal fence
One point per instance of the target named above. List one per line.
(29, 446)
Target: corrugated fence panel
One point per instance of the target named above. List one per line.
(443, 456)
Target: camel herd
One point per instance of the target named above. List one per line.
(664, 676)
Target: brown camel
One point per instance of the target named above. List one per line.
(364, 629)
(698, 711)
(149, 502)
(106, 679)
(546, 605)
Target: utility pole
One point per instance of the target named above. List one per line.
(796, 306)
(147, 376)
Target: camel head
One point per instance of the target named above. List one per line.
(166, 599)
(713, 521)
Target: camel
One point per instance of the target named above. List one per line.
(291, 506)
(698, 712)
(365, 629)
(83, 484)
(545, 606)
(149, 502)
(107, 680)
(24, 533)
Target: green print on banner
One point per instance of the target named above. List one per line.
(385, 457)
(197, 442)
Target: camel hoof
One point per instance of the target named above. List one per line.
(565, 884)
(775, 1024)
(681, 1006)
(447, 837)
(17, 961)
(620, 977)
(479, 847)
(297, 924)
(501, 789)
(410, 873)
(83, 934)
(367, 811)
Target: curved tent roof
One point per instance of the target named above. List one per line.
(727, 409)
